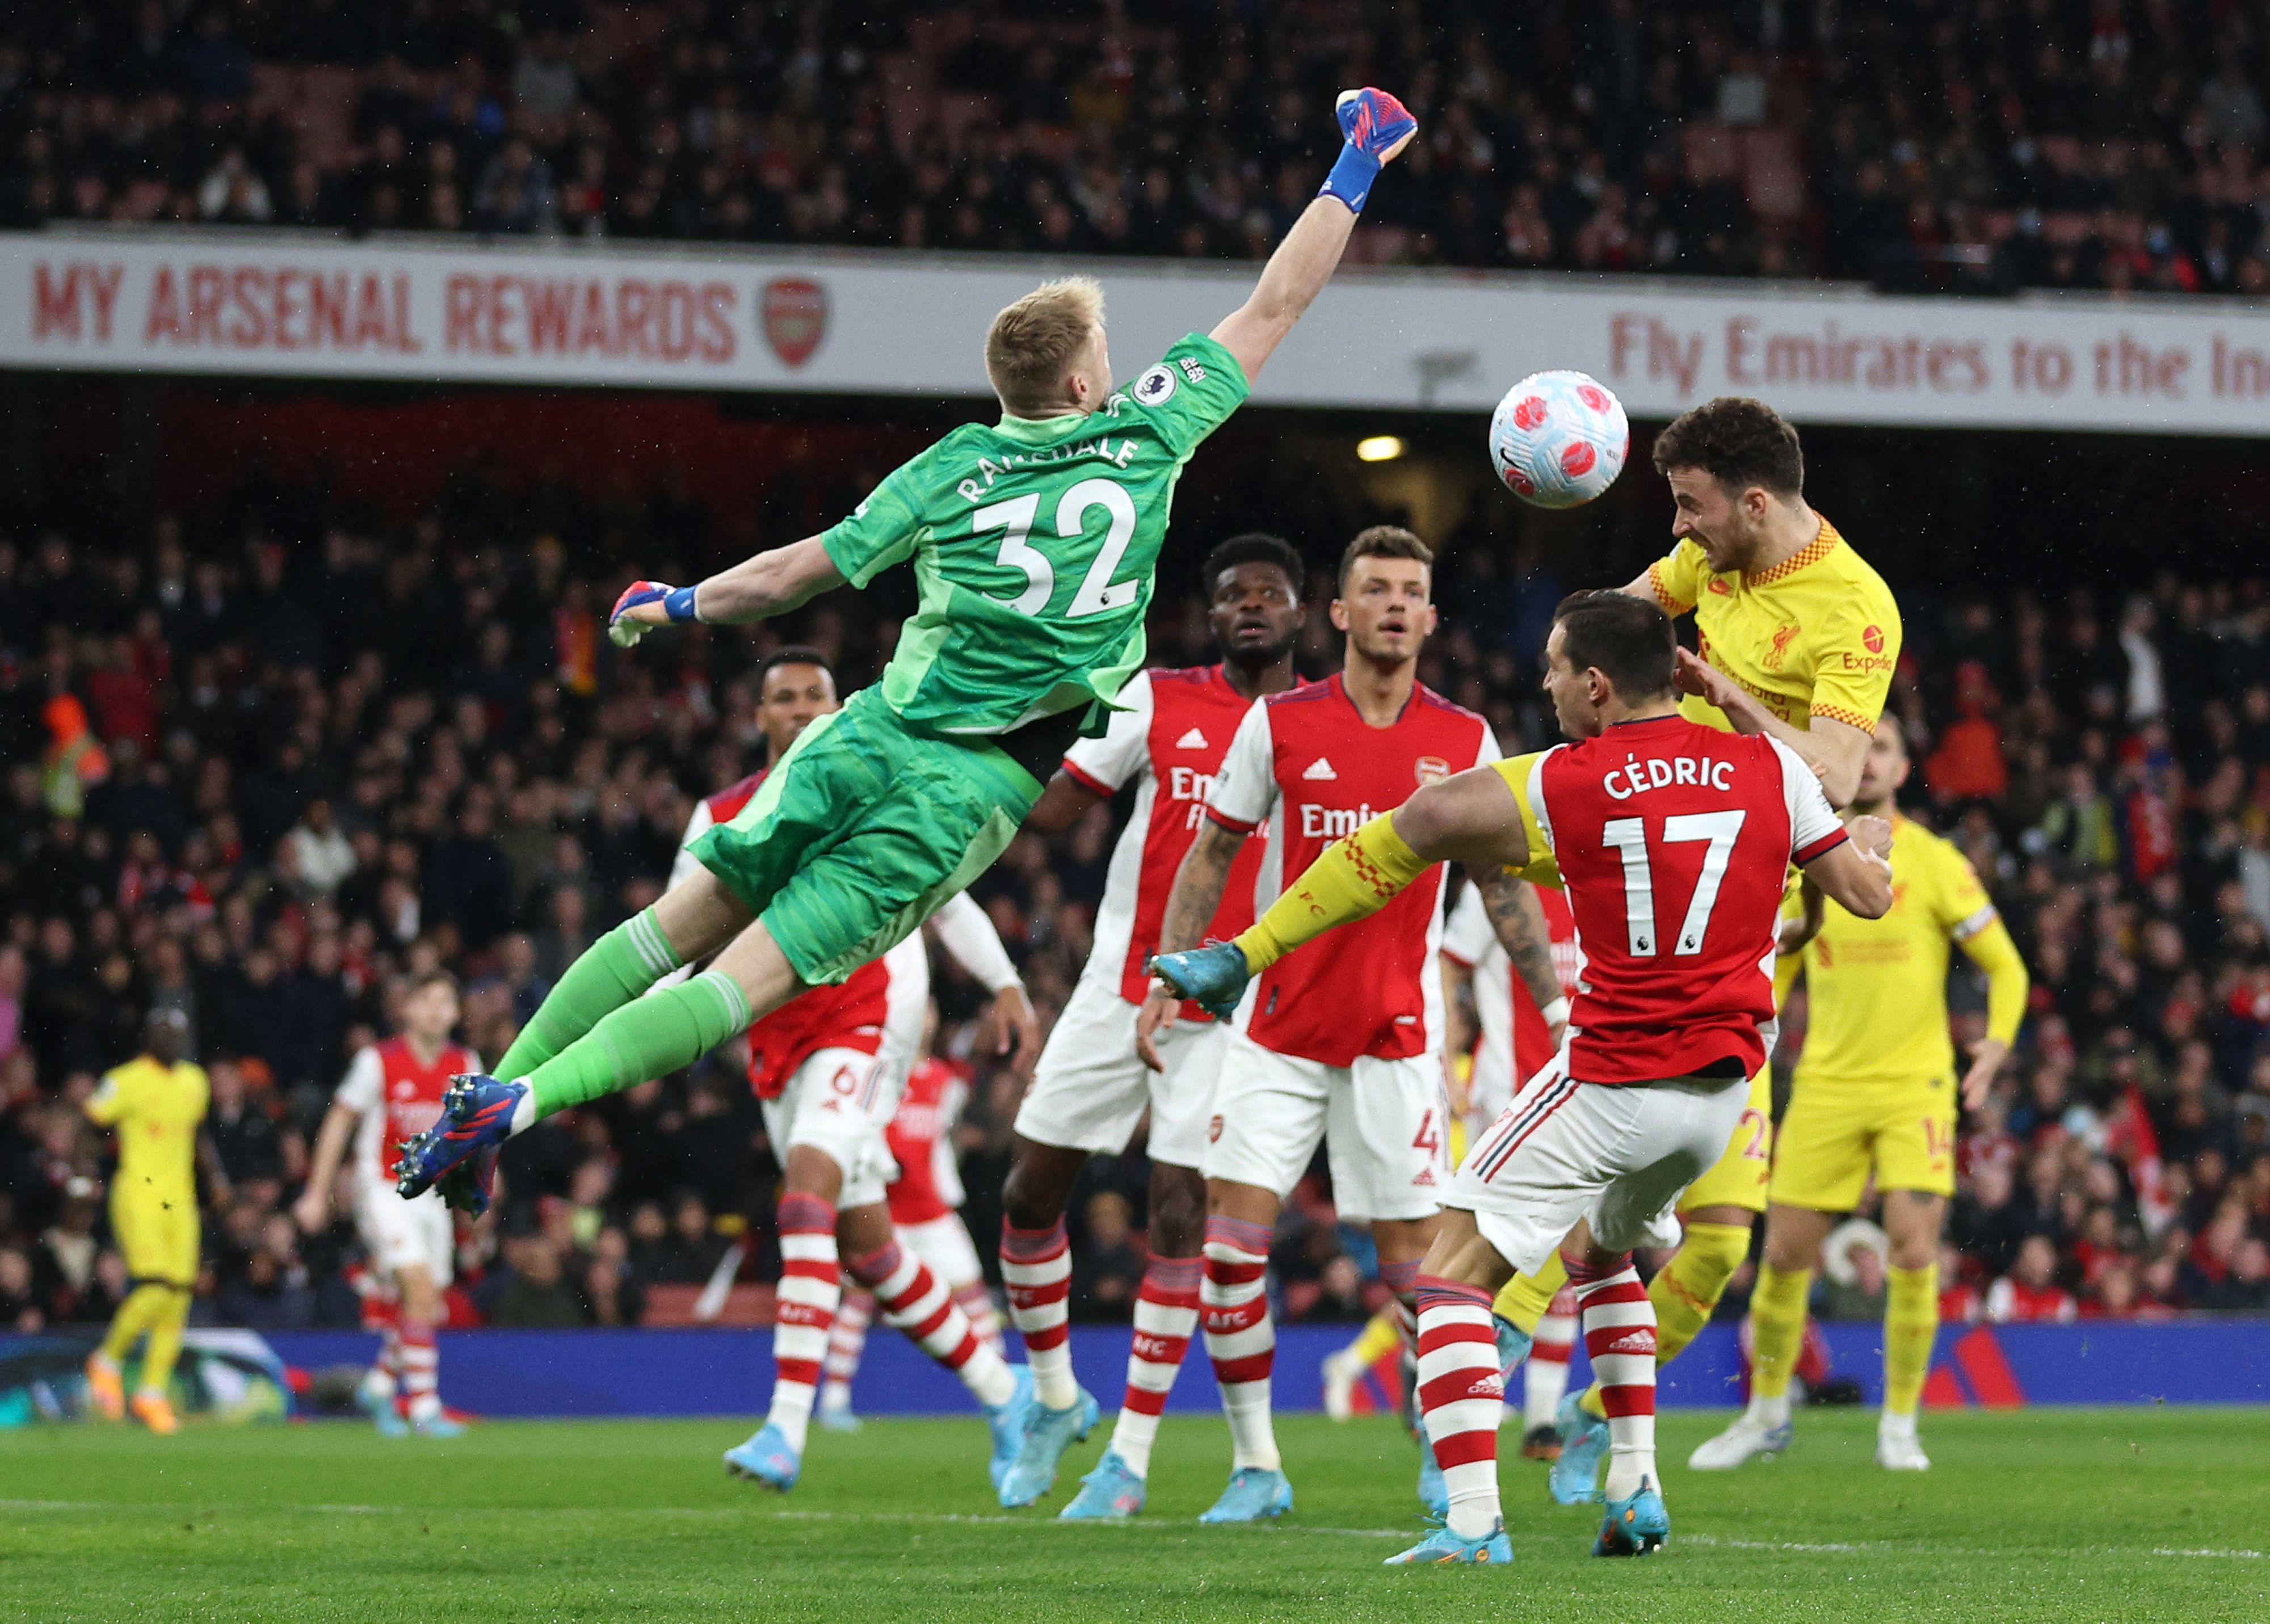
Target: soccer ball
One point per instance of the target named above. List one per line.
(1558, 439)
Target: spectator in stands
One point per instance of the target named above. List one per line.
(2030, 1291)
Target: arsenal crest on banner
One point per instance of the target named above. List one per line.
(795, 315)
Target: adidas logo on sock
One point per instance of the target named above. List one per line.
(1632, 1342)
(1192, 740)
(1318, 771)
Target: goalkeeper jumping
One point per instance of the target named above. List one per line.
(1033, 543)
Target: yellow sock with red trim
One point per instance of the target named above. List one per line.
(1777, 1329)
(1910, 1325)
(1686, 1289)
(1524, 1299)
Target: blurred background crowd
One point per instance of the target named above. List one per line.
(262, 759)
(1982, 144)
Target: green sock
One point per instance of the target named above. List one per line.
(645, 1038)
(607, 974)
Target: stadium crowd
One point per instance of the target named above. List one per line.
(257, 769)
(2064, 143)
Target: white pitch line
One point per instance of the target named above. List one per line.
(2249, 1556)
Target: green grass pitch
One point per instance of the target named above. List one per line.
(2094, 1515)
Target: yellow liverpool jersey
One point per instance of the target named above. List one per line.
(156, 1109)
(1816, 635)
(1876, 989)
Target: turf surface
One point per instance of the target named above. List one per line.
(2102, 1515)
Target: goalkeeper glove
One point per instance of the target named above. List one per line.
(1373, 122)
(676, 603)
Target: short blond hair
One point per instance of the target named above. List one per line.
(1033, 342)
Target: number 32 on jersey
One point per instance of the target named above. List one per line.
(1098, 592)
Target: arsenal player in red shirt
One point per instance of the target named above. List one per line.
(1091, 1088)
(1673, 840)
(1341, 1046)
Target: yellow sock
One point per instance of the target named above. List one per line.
(135, 1316)
(1380, 1336)
(1526, 1297)
(1777, 1328)
(1686, 1289)
(1911, 1324)
(1353, 878)
(165, 1339)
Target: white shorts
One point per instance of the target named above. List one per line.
(1382, 1122)
(1091, 1088)
(1618, 1157)
(399, 1234)
(838, 1103)
(944, 1243)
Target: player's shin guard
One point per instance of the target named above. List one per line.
(1239, 1338)
(913, 1301)
(1545, 1377)
(847, 1342)
(421, 1370)
(610, 973)
(1776, 1335)
(1166, 1314)
(1620, 1338)
(644, 1038)
(1036, 1268)
(811, 1290)
(1910, 1325)
(1460, 1398)
(1686, 1290)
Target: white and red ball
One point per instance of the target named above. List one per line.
(1558, 439)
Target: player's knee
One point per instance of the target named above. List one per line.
(1178, 1212)
(1029, 1198)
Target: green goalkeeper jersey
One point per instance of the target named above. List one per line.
(1033, 544)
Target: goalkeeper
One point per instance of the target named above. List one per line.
(1034, 541)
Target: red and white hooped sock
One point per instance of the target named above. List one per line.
(912, 1299)
(975, 1300)
(421, 1370)
(1619, 1339)
(1036, 1269)
(811, 1290)
(1166, 1313)
(1545, 1377)
(847, 1341)
(1241, 1339)
(1461, 1397)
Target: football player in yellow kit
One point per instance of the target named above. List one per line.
(1799, 637)
(1875, 1094)
(156, 1102)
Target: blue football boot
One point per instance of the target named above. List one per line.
(441, 1424)
(1434, 1494)
(1213, 977)
(1254, 1495)
(1584, 1444)
(767, 1459)
(1513, 1345)
(1006, 1422)
(476, 1120)
(1493, 1549)
(837, 1418)
(383, 1414)
(1046, 1436)
(1107, 1494)
(1635, 1525)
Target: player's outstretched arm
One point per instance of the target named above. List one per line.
(1062, 804)
(1191, 904)
(1836, 751)
(1991, 950)
(1858, 872)
(313, 1210)
(1376, 127)
(771, 583)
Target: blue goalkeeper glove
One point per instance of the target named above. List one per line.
(1374, 124)
(624, 628)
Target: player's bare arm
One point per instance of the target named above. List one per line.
(1190, 907)
(1062, 804)
(1304, 262)
(1858, 872)
(769, 584)
(1836, 751)
(313, 1210)
(1796, 933)
(1518, 921)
